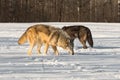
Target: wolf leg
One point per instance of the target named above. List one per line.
(30, 49)
(83, 43)
(38, 48)
(72, 42)
(46, 49)
(32, 43)
(82, 38)
(55, 50)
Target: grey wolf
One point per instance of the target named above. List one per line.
(45, 34)
(81, 32)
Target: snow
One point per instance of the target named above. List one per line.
(99, 63)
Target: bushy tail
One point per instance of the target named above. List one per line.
(89, 38)
(22, 39)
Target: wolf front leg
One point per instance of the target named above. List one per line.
(30, 49)
(55, 50)
(46, 48)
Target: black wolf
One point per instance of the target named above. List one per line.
(81, 32)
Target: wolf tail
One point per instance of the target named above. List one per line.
(89, 37)
(22, 39)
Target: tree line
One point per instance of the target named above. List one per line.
(59, 11)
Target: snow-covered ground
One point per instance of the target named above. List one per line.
(99, 63)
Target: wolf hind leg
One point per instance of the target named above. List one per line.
(38, 48)
(84, 44)
(39, 44)
(55, 50)
(82, 39)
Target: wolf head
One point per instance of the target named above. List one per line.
(62, 39)
(65, 42)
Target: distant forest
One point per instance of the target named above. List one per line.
(59, 10)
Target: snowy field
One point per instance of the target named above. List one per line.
(99, 63)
